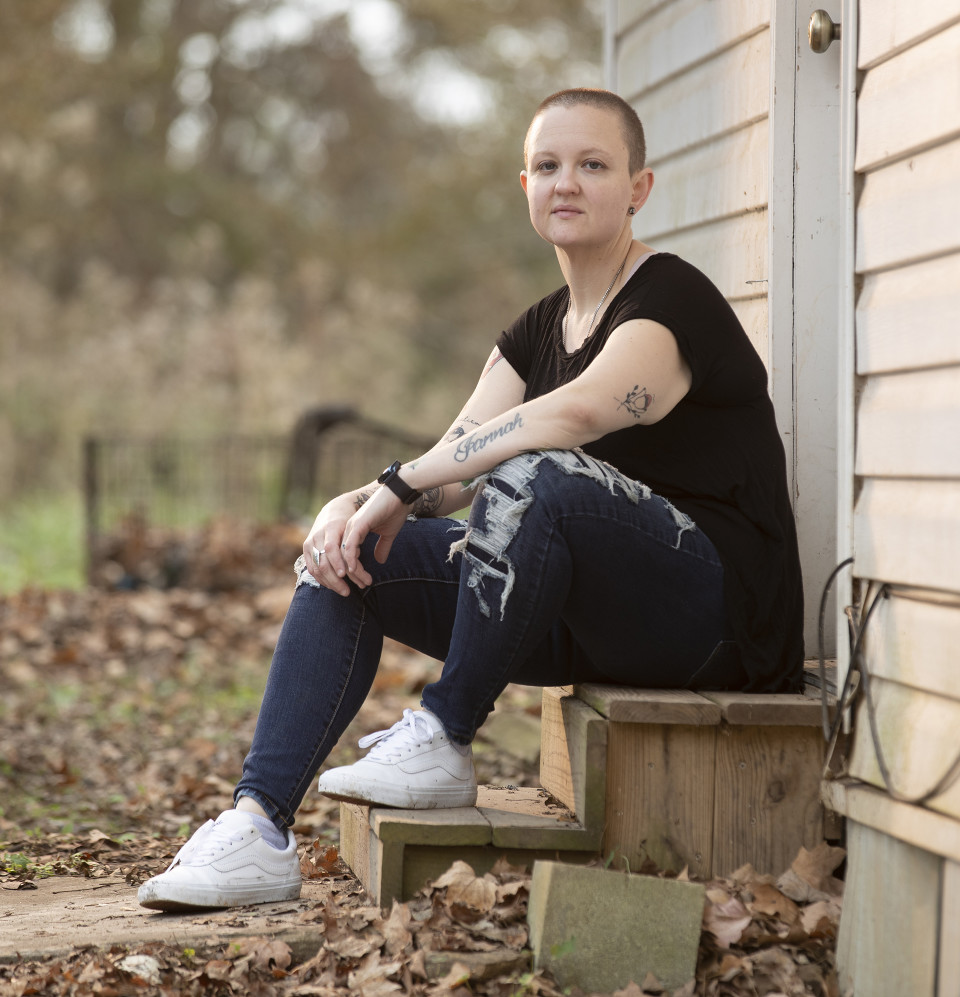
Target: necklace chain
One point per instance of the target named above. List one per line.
(596, 311)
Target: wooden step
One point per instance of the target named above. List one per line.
(703, 780)
(395, 852)
(709, 781)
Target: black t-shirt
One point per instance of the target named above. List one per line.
(717, 456)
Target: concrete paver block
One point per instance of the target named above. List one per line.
(598, 929)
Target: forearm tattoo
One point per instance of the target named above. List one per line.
(637, 402)
(459, 431)
(474, 444)
(428, 503)
(361, 498)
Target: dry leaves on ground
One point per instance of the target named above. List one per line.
(124, 719)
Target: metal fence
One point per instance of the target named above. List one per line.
(184, 483)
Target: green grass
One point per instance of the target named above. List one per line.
(41, 543)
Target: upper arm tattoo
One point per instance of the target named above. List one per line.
(637, 401)
(495, 358)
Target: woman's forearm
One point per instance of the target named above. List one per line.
(540, 424)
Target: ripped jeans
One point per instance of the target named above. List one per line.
(566, 571)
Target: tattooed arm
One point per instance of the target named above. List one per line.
(637, 378)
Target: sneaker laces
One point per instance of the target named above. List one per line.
(208, 842)
(411, 731)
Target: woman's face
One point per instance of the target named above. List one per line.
(577, 180)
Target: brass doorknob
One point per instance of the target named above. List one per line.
(821, 31)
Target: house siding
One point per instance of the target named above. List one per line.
(907, 448)
(698, 74)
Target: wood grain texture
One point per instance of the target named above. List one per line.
(660, 796)
(887, 946)
(767, 709)
(767, 802)
(624, 704)
(573, 746)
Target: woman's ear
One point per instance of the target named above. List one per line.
(642, 185)
(523, 180)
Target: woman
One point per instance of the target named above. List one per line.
(629, 523)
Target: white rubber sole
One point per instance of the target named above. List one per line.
(178, 896)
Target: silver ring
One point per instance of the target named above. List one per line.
(317, 554)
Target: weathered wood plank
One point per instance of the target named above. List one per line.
(725, 178)
(680, 35)
(730, 252)
(908, 317)
(889, 26)
(573, 753)
(527, 818)
(908, 211)
(908, 532)
(895, 112)
(948, 971)
(908, 425)
(917, 732)
(658, 706)
(716, 98)
(913, 639)
(767, 709)
(864, 804)
(767, 802)
(660, 796)
(355, 838)
(887, 946)
(456, 826)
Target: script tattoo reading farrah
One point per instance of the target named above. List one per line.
(474, 444)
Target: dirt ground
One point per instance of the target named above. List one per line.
(124, 718)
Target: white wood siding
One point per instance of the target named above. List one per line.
(907, 451)
(698, 73)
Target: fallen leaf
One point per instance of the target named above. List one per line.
(816, 867)
(464, 886)
(727, 920)
(769, 900)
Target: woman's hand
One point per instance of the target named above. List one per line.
(384, 514)
(321, 549)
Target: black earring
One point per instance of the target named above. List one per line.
(631, 210)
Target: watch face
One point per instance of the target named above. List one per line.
(387, 471)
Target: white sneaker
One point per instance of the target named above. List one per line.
(413, 765)
(225, 864)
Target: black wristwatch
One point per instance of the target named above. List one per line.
(391, 478)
